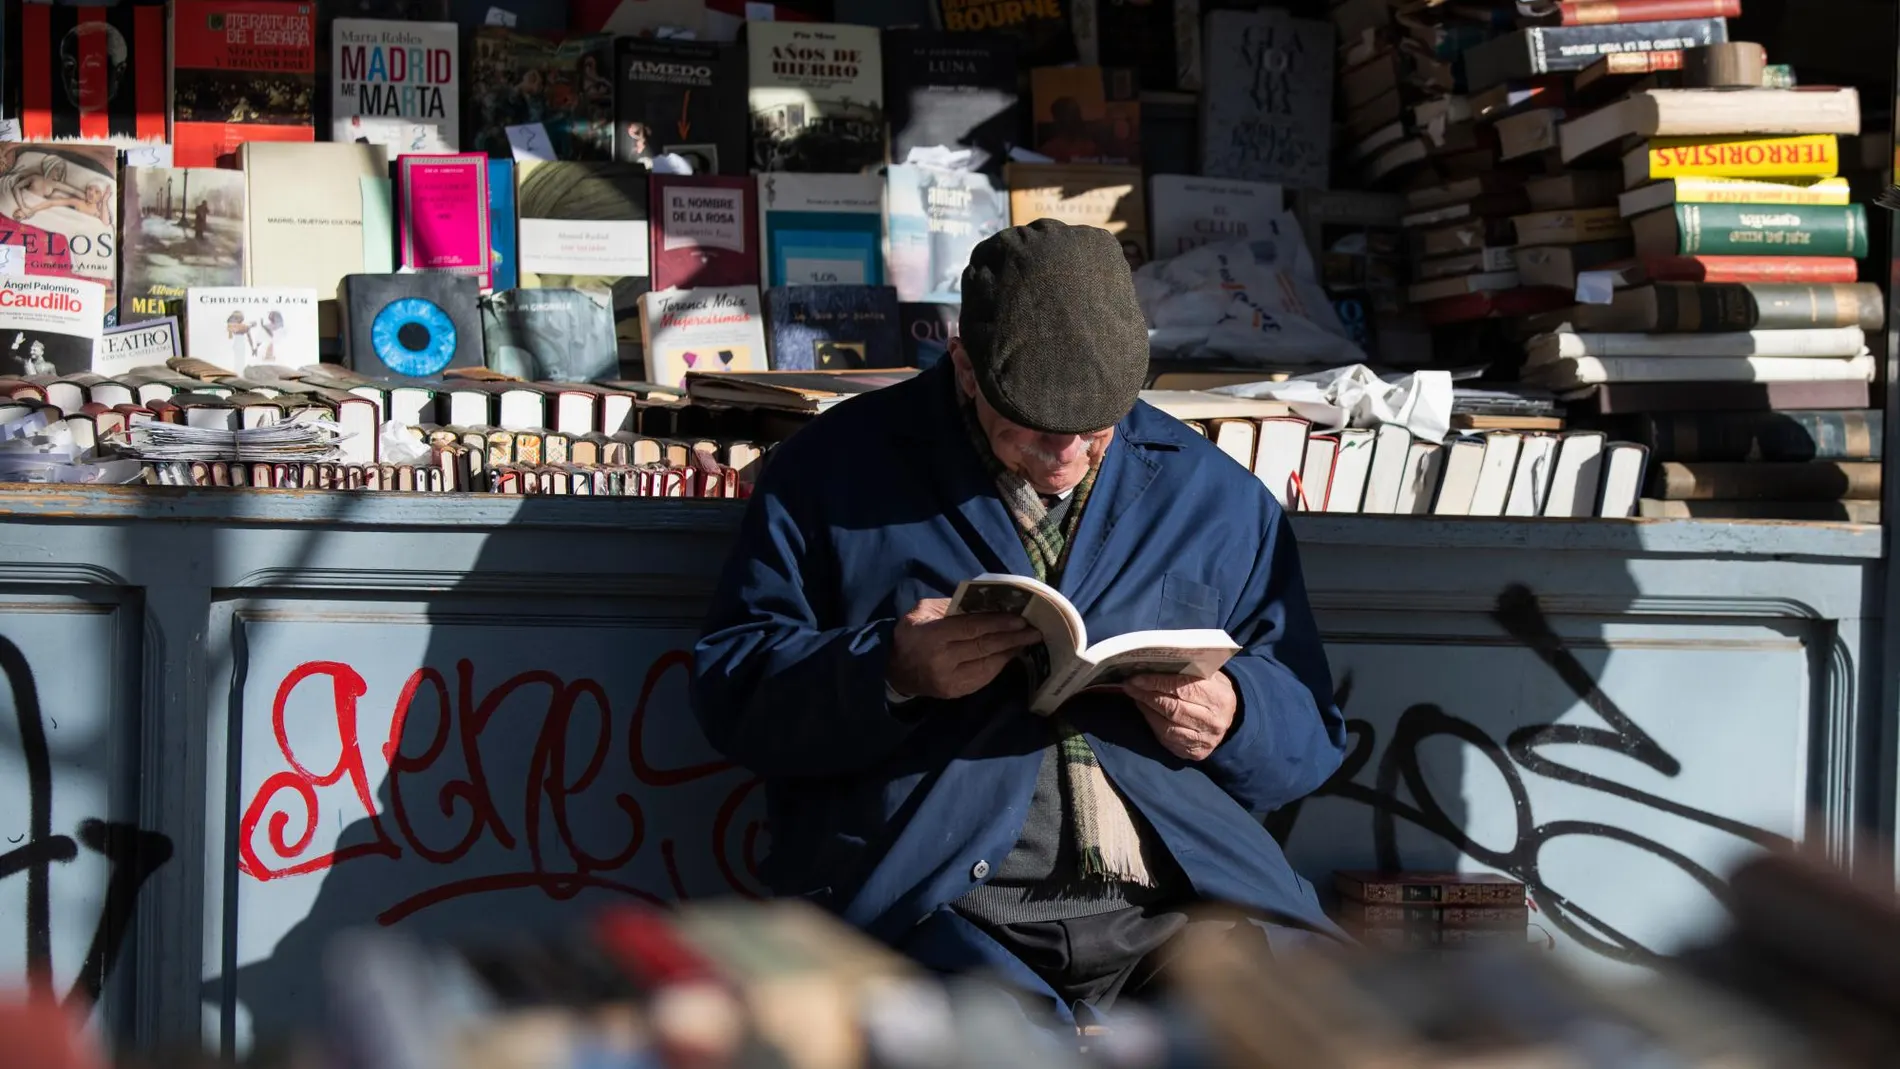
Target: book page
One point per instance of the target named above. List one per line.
(1196, 653)
(1063, 633)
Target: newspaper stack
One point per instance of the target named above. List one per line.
(308, 442)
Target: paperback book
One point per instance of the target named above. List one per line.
(816, 97)
(681, 97)
(936, 217)
(180, 227)
(410, 327)
(1087, 114)
(242, 71)
(954, 90)
(705, 231)
(714, 328)
(1266, 109)
(240, 327)
(49, 326)
(822, 229)
(442, 215)
(396, 84)
(59, 208)
(549, 335)
(96, 73)
(833, 328)
(563, 83)
(584, 225)
(148, 343)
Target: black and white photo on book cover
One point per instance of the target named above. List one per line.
(48, 326)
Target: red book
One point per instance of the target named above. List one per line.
(242, 70)
(1809, 269)
(1601, 12)
(96, 73)
(705, 231)
(1526, 300)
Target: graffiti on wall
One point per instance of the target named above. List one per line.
(131, 854)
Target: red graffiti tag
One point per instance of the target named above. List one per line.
(450, 725)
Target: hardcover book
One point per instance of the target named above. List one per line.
(95, 73)
(240, 327)
(1750, 230)
(49, 326)
(1190, 211)
(242, 71)
(705, 232)
(1726, 306)
(181, 227)
(956, 90)
(816, 96)
(584, 225)
(1266, 109)
(936, 217)
(822, 229)
(1802, 156)
(550, 335)
(833, 328)
(1820, 434)
(410, 327)
(682, 97)
(714, 328)
(1539, 50)
(503, 257)
(564, 83)
(1814, 269)
(316, 212)
(1085, 194)
(148, 343)
(396, 84)
(1042, 30)
(442, 211)
(1086, 114)
(59, 206)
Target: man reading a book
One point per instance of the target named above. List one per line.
(909, 786)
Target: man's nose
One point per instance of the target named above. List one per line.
(1064, 447)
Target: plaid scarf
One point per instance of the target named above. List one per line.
(1105, 835)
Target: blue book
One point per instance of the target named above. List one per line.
(501, 225)
(822, 229)
(833, 328)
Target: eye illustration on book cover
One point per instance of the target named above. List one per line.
(182, 227)
(414, 337)
(59, 204)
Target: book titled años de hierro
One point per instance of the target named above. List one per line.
(1266, 109)
(817, 96)
(1066, 664)
(396, 84)
(49, 326)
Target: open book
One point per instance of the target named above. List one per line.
(1071, 665)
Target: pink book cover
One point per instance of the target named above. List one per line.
(444, 213)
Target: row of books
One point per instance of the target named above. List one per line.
(1432, 910)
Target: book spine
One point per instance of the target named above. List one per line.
(1556, 49)
(1642, 62)
(1819, 480)
(1766, 306)
(1799, 156)
(1386, 915)
(1772, 436)
(1703, 189)
(1809, 269)
(1740, 229)
(1603, 12)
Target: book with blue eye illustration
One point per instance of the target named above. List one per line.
(822, 229)
(410, 327)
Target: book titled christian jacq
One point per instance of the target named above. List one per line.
(396, 84)
(48, 326)
(243, 70)
(238, 327)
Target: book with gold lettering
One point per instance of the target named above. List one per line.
(1104, 195)
(1752, 230)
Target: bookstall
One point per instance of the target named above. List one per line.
(352, 643)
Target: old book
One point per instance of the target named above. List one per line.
(1464, 190)
(682, 97)
(958, 90)
(181, 227)
(241, 327)
(1818, 434)
(442, 215)
(1570, 226)
(1816, 343)
(549, 335)
(1106, 196)
(1706, 190)
(1764, 480)
(1742, 229)
(1449, 888)
(1573, 189)
(1574, 373)
(1624, 468)
(821, 229)
(145, 344)
(1713, 112)
(1485, 282)
(97, 73)
(1433, 915)
(1729, 306)
(804, 392)
(1266, 102)
(706, 329)
(1811, 511)
(705, 231)
(49, 326)
(397, 84)
(1800, 156)
(1086, 114)
(316, 212)
(1529, 132)
(410, 327)
(563, 83)
(1190, 211)
(816, 96)
(1067, 663)
(1601, 12)
(58, 207)
(242, 71)
(1810, 269)
(1540, 50)
(936, 217)
(504, 257)
(1511, 303)
(832, 328)
(1576, 475)
(584, 225)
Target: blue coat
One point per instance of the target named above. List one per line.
(883, 816)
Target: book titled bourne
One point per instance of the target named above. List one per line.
(49, 326)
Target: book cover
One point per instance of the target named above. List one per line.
(1266, 109)
(1160, 39)
(442, 210)
(1746, 229)
(59, 206)
(1041, 29)
(714, 328)
(822, 229)
(410, 327)
(314, 216)
(958, 90)
(1801, 156)
(927, 330)
(1601, 12)
(1190, 211)
(1813, 269)
(49, 326)
(816, 96)
(240, 327)
(550, 335)
(503, 257)
(1539, 50)
(1086, 114)
(148, 343)
(95, 73)
(1086, 194)
(180, 227)
(683, 97)
(936, 217)
(242, 71)
(564, 83)
(1817, 434)
(833, 328)
(705, 231)
(396, 84)
(1814, 480)
(584, 225)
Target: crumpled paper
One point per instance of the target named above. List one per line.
(395, 445)
(943, 156)
(1355, 397)
(670, 163)
(1255, 301)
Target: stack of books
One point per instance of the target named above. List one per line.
(1432, 910)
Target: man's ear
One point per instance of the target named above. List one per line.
(966, 374)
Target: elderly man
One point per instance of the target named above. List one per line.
(908, 786)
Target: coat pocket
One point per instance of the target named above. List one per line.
(1187, 603)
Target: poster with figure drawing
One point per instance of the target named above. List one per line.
(59, 204)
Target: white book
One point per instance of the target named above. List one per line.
(1494, 477)
(1392, 445)
(1592, 371)
(48, 325)
(1191, 211)
(1071, 664)
(1577, 475)
(1811, 342)
(1424, 467)
(1712, 113)
(1280, 455)
(240, 327)
(1464, 461)
(1237, 438)
(800, 243)
(708, 328)
(1350, 470)
(1530, 484)
(396, 84)
(1316, 475)
(1623, 464)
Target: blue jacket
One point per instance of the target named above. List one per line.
(883, 815)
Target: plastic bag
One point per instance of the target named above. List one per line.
(1355, 397)
(1256, 301)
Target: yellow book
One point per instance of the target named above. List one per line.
(1802, 156)
(1700, 189)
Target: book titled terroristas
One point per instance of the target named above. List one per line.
(816, 97)
(58, 203)
(397, 84)
(682, 97)
(936, 217)
(180, 227)
(96, 73)
(242, 71)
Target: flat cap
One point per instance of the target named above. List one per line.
(1052, 327)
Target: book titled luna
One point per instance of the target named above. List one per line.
(443, 205)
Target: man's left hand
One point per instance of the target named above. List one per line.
(1189, 716)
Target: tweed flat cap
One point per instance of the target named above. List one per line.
(1052, 327)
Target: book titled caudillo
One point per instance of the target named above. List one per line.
(1073, 665)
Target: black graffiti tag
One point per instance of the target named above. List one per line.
(132, 854)
(1517, 611)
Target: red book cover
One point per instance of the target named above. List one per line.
(1526, 300)
(1806, 269)
(96, 73)
(704, 230)
(243, 70)
(1601, 12)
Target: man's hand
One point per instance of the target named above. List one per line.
(1189, 716)
(934, 656)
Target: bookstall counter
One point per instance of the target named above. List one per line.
(245, 721)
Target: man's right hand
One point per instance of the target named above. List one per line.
(938, 656)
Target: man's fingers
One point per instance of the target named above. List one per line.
(976, 625)
(993, 643)
(972, 676)
(927, 610)
(1162, 684)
